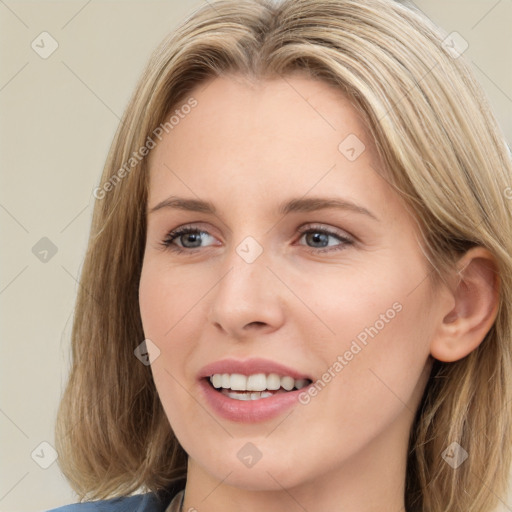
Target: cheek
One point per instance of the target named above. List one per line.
(163, 305)
(167, 295)
(384, 301)
(151, 305)
(169, 303)
(375, 354)
(374, 375)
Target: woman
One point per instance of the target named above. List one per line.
(297, 292)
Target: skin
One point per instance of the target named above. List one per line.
(247, 147)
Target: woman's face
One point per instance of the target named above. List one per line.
(303, 263)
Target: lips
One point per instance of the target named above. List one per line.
(252, 390)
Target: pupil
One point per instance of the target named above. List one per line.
(319, 238)
(193, 238)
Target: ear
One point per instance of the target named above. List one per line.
(475, 299)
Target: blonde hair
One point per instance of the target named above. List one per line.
(442, 150)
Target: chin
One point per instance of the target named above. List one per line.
(271, 475)
(257, 480)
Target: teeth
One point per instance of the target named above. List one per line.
(287, 383)
(255, 395)
(217, 380)
(238, 382)
(273, 381)
(301, 383)
(257, 383)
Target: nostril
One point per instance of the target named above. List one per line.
(256, 324)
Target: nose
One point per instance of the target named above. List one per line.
(248, 299)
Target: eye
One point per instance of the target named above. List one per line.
(185, 238)
(324, 240)
(319, 239)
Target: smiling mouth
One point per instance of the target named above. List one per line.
(256, 386)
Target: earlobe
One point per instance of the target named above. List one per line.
(476, 296)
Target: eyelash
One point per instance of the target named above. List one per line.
(168, 242)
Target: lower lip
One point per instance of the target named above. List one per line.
(248, 411)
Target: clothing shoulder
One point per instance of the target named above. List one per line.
(148, 502)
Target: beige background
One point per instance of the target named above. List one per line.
(58, 118)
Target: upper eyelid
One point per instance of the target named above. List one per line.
(331, 230)
(306, 227)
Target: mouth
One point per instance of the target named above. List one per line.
(251, 390)
(257, 386)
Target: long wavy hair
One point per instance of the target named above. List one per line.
(443, 152)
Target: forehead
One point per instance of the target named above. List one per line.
(245, 111)
(248, 138)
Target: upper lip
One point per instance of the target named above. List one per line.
(250, 367)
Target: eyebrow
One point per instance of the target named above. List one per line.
(309, 204)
